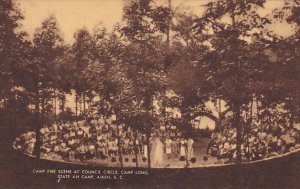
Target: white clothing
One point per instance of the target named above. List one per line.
(157, 153)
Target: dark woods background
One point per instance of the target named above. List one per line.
(152, 51)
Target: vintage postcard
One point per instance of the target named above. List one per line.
(149, 94)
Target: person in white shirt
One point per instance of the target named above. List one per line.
(190, 150)
(168, 144)
(182, 148)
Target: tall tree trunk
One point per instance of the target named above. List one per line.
(43, 108)
(63, 101)
(55, 102)
(257, 109)
(148, 108)
(76, 106)
(219, 122)
(169, 22)
(37, 127)
(238, 133)
(120, 147)
(136, 149)
(84, 102)
(80, 104)
(251, 111)
(148, 148)
(237, 114)
(43, 111)
(186, 156)
(249, 127)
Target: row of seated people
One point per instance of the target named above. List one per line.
(89, 140)
(259, 143)
(81, 140)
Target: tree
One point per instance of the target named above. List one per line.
(14, 54)
(65, 77)
(143, 27)
(48, 47)
(185, 79)
(231, 66)
(83, 49)
(279, 89)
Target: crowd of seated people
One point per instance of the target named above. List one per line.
(25, 143)
(258, 143)
(83, 140)
(98, 139)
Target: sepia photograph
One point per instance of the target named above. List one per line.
(149, 94)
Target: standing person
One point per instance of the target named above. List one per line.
(137, 146)
(115, 147)
(168, 143)
(145, 149)
(176, 146)
(182, 148)
(157, 153)
(190, 150)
